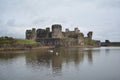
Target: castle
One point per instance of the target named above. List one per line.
(58, 38)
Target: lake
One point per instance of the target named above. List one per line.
(61, 64)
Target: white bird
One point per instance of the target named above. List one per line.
(50, 51)
(57, 53)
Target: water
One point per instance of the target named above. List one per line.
(61, 64)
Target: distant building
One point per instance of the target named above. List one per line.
(58, 38)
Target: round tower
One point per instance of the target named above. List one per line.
(89, 35)
(56, 31)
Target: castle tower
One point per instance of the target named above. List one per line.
(89, 35)
(76, 30)
(28, 34)
(33, 33)
(66, 30)
(47, 29)
(57, 31)
(81, 39)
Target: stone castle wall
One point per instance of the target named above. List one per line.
(57, 37)
(57, 31)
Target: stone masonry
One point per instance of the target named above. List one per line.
(58, 38)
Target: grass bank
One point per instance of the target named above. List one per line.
(9, 43)
(25, 41)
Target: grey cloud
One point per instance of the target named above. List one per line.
(99, 16)
(109, 3)
(40, 21)
(11, 22)
(10, 28)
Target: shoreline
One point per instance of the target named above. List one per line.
(34, 48)
(47, 47)
(42, 47)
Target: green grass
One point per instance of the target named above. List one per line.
(10, 40)
(6, 40)
(25, 41)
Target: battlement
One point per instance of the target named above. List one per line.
(56, 26)
(56, 36)
(89, 35)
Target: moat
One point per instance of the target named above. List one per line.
(101, 63)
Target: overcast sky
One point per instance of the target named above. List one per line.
(100, 16)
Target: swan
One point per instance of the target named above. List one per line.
(50, 51)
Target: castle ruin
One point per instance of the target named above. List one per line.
(58, 38)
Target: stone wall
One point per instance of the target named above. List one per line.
(50, 41)
(57, 37)
(89, 35)
(57, 31)
(31, 34)
(28, 34)
(42, 33)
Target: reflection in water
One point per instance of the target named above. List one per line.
(57, 58)
(89, 53)
(61, 64)
(107, 50)
(6, 55)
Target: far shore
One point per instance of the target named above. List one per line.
(43, 47)
(34, 48)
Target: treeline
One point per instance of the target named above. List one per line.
(7, 40)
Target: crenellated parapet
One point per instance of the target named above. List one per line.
(56, 36)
